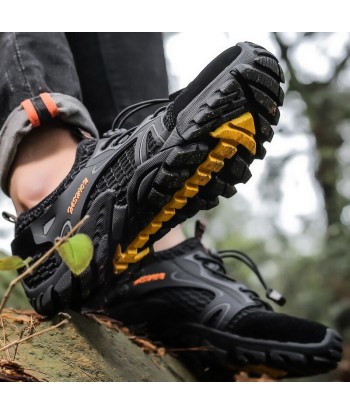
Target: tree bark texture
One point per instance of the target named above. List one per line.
(83, 350)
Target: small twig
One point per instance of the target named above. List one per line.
(20, 338)
(30, 329)
(154, 361)
(37, 371)
(4, 334)
(67, 317)
(29, 270)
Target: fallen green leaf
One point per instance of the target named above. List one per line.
(12, 263)
(77, 253)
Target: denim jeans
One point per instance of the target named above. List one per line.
(87, 78)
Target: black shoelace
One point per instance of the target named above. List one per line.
(117, 135)
(130, 110)
(217, 259)
(9, 217)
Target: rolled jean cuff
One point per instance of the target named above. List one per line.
(35, 112)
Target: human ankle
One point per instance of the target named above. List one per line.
(172, 238)
(43, 160)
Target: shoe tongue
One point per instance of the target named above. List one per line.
(183, 248)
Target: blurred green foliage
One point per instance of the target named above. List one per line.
(17, 298)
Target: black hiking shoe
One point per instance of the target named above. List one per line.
(184, 297)
(137, 184)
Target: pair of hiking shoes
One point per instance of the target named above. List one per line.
(139, 183)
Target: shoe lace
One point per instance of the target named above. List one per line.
(9, 217)
(131, 109)
(117, 134)
(217, 259)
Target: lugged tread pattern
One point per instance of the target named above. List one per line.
(263, 81)
(271, 66)
(179, 166)
(267, 104)
(176, 193)
(287, 363)
(267, 73)
(277, 362)
(271, 74)
(236, 132)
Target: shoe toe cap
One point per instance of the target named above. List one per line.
(272, 326)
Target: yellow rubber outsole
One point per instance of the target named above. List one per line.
(241, 131)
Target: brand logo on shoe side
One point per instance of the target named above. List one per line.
(77, 195)
(149, 278)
